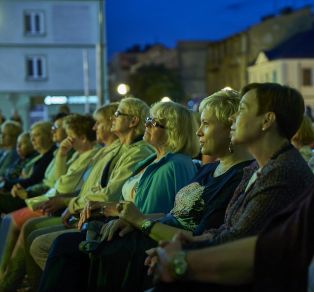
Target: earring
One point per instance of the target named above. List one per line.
(230, 148)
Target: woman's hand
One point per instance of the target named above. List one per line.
(65, 146)
(87, 212)
(129, 213)
(112, 227)
(18, 191)
(159, 259)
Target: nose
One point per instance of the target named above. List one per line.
(199, 132)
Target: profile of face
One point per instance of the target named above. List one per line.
(58, 132)
(24, 146)
(121, 120)
(246, 123)
(155, 132)
(214, 135)
(74, 138)
(6, 139)
(102, 127)
(38, 138)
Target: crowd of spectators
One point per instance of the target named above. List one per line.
(124, 201)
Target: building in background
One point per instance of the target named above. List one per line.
(228, 59)
(290, 63)
(47, 53)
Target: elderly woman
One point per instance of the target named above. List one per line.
(23, 165)
(198, 205)
(42, 142)
(81, 138)
(268, 117)
(10, 130)
(156, 180)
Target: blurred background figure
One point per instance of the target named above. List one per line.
(16, 117)
(304, 138)
(10, 130)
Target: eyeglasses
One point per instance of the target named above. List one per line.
(151, 122)
(54, 128)
(118, 113)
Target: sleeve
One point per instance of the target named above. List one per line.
(257, 212)
(158, 194)
(120, 173)
(285, 248)
(38, 172)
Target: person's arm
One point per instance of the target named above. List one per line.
(228, 264)
(231, 263)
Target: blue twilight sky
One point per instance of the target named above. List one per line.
(143, 22)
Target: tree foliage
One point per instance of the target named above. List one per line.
(152, 82)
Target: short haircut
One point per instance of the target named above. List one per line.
(107, 111)
(81, 125)
(181, 126)
(224, 102)
(44, 126)
(14, 127)
(286, 102)
(305, 134)
(138, 108)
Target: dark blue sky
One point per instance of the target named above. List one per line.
(143, 22)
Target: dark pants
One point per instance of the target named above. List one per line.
(9, 204)
(66, 267)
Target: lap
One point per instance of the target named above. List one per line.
(9, 204)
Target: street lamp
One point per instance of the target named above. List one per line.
(123, 89)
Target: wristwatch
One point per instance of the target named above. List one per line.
(179, 265)
(147, 226)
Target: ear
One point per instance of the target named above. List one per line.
(134, 121)
(269, 120)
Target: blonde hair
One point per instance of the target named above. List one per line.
(305, 134)
(224, 102)
(106, 111)
(180, 125)
(138, 108)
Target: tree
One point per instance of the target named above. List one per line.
(153, 82)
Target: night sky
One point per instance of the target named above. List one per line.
(143, 22)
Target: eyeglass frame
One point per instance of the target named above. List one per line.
(149, 121)
(118, 113)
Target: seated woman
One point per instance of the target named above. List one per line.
(80, 137)
(304, 138)
(22, 167)
(269, 115)
(42, 142)
(155, 180)
(9, 132)
(201, 203)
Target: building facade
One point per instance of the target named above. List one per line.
(47, 48)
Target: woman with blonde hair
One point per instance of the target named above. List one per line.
(198, 205)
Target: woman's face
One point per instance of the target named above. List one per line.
(213, 134)
(121, 121)
(102, 127)
(58, 132)
(77, 141)
(23, 146)
(38, 138)
(155, 133)
(246, 123)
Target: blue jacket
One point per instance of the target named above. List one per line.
(161, 181)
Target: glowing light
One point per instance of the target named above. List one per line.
(123, 89)
(165, 99)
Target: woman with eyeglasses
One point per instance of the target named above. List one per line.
(198, 205)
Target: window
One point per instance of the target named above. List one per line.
(307, 77)
(36, 68)
(34, 22)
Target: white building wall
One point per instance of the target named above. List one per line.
(70, 27)
(288, 72)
